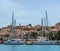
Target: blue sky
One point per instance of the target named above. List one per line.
(29, 11)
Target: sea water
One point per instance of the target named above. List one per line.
(29, 47)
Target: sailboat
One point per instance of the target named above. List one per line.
(13, 38)
(44, 41)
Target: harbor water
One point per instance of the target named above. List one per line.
(30, 47)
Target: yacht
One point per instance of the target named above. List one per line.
(45, 42)
(14, 42)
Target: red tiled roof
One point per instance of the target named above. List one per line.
(5, 28)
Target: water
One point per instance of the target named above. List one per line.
(29, 48)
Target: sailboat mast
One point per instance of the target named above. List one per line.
(12, 21)
(13, 34)
(46, 21)
(42, 25)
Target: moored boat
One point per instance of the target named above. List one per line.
(14, 42)
(45, 42)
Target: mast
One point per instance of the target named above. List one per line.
(42, 25)
(46, 21)
(45, 26)
(12, 21)
(13, 34)
(20, 27)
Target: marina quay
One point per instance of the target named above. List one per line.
(29, 34)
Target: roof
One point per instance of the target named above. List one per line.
(5, 28)
(53, 30)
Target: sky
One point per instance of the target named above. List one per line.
(29, 11)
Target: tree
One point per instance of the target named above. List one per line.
(0, 29)
(58, 35)
(37, 27)
(30, 25)
(34, 34)
(51, 36)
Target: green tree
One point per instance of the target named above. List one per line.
(51, 36)
(0, 29)
(34, 34)
(58, 35)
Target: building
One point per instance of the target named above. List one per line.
(57, 26)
